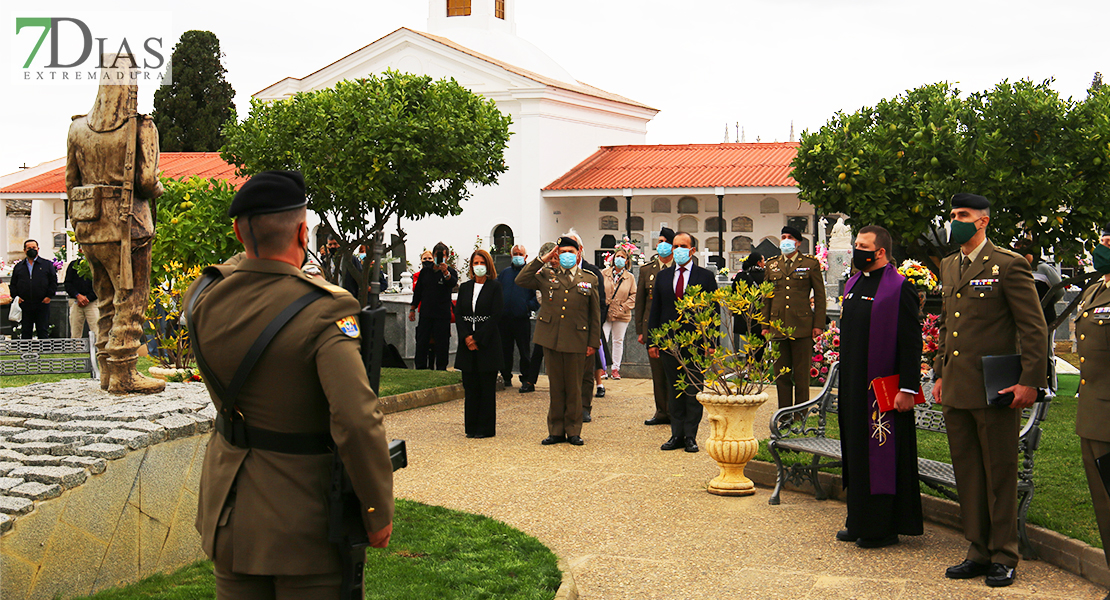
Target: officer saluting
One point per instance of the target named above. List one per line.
(568, 327)
(263, 506)
(795, 276)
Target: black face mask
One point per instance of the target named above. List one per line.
(32, 254)
(863, 259)
(428, 264)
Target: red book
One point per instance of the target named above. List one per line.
(886, 388)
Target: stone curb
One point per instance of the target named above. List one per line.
(567, 589)
(420, 398)
(1072, 555)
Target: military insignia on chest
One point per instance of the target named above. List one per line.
(349, 326)
(1102, 310)
(994, 270)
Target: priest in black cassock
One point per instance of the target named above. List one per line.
(880, 335)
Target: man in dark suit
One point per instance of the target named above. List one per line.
(515, 320)
(990, 302)
(645, 287)
(670, 285)
(34, 281)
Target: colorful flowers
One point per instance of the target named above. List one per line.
(930, 339)
(919, 275)
(822, 254)
(826, 351)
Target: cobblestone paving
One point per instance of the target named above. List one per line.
(54, 436)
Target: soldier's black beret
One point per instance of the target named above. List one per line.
(269, 192)
(668, 234)
(568, 241)
(792, 231)
(963, 200)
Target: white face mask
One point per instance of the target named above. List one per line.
(479, 270)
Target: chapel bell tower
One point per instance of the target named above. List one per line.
(489, 15)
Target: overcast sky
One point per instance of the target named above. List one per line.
(703, 63)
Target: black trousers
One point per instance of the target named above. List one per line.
(480, 402)
(684, 408)
(432, 328)
(535, 362)
(37, 317)
(515, 332)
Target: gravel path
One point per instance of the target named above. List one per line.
(636, 522)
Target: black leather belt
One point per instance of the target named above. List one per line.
(239, 434)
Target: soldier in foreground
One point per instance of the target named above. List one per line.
(264, 491)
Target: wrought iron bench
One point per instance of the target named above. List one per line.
(31, 361)
(793, 431)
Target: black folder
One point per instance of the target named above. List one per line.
(999, 373)
(1103, 463)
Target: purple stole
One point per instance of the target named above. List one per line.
(882, 349)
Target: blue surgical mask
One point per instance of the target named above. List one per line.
(568, 259)
(788, 246)
(479, 270)
(361, 255)
(664, 249)
(619, 262)
(682, 255)
(518, 261)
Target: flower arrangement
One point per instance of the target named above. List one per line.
(919, 275)
(826, 351)
(694, 340)
(6, 268)
(930, 338)
(723, 271)
(821, 252)
(165, 312)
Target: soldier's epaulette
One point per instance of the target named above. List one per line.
(1011, 253)
(331, 288)
(586, 272)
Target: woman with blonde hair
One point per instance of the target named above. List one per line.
(621, 288)
(479, 354)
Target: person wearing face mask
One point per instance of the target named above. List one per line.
(568, 327)
(752, 274)
(645, 289)
(990, 302)
(432, 293)
(880, 335)
(795, 277)
(622, 299)
(528, 377)
(34, 282)
(515, 320)
(479, 357)
(1092, 419)
(276, 435)
(670, 286)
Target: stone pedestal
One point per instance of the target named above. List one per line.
(834, 277)
(731, 440)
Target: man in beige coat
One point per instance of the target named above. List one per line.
(990, 302)
(263, 506)
(568, 326)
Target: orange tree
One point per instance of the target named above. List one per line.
(1043, 161)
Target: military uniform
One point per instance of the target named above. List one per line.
(985, 312)
(645, 288)
(263, 512)
(569, 321)
(1092, 420)
(793, 280)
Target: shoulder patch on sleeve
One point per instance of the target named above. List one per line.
(349, 326)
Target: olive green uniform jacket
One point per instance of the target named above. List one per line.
(1092, 328)
(569, 319)
(984, 313)
(645, 289)
(310, 379)
(789, 302)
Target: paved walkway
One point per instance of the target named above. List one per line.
(636, 522)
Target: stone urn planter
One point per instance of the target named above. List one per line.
(731, 440)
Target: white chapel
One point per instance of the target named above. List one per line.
(556, 120)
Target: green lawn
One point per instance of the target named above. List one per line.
(435, 553)
(1062, 501)
(144, 364)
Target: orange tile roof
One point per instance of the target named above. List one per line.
(683, 166)
(171, 164)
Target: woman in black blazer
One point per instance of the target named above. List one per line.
(479, 354)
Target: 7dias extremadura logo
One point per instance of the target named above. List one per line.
(71, 48)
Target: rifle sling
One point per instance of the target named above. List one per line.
(230, 422)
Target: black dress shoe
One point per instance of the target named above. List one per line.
(1000, 575)
(586, 418)
(553, 439)
(470, 435)
(575, 440)
(882, 542)
(691, 445)
(526, 387)
(481, 436)
(657, 421)
(844, 536)
(600, 392)
(674, 443)
(966, 570)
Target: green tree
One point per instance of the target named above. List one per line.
(376, 149)
(193, 229)
(1042, 161)
(191, 110)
